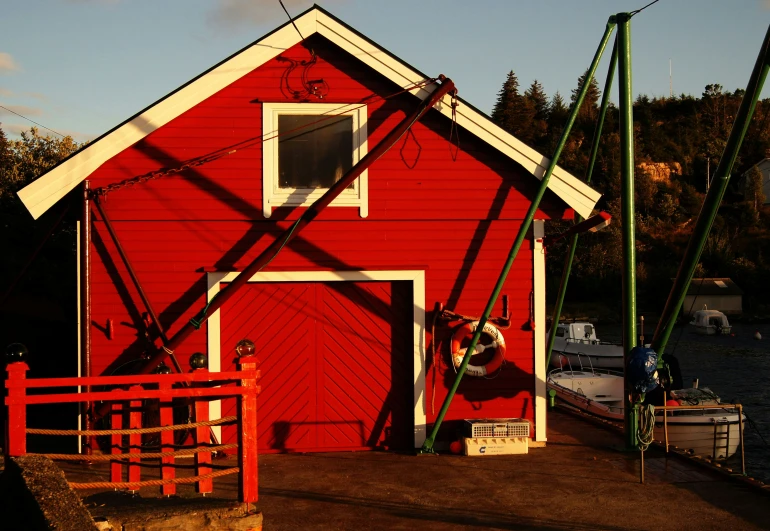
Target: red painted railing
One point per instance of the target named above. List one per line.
(127, 405)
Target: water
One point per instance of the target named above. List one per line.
(737, 368)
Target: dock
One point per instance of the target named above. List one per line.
(579, 480)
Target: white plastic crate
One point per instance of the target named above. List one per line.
(496, 445)
(496, 428)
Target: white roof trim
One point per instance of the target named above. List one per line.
(44, 192)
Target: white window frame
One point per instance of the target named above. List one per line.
(273, 196)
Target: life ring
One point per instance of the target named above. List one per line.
(466, 331)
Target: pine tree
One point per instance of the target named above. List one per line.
(537, 96)
(536, 99)
(590, 106)
(513, 112)
(505, 100)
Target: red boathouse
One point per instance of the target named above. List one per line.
(199, 183)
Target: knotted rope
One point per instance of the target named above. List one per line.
(133, 431)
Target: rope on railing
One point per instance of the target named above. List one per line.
(148, 455)
(153, 482)
(134, 431)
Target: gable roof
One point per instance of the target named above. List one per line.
(44, 192)
(713, 286)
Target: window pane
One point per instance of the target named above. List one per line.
(313, 155)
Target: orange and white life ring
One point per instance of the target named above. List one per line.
(466, 331)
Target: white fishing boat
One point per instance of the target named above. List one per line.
(576, 346)
(711, 323)
(713, 432)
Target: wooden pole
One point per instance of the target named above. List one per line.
(247, 433)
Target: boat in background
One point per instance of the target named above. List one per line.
(713, 432)
(576, 346)
(711, 322)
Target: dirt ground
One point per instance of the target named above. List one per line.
(578, 481)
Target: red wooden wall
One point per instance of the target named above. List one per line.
(455, 219)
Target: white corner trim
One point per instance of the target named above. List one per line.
(417, 278)
(272, 196)
(42, 193)
(538, 268)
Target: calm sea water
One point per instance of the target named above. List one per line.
(735, 367)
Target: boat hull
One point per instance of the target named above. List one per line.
(571, 355)
(714, 433)
(707, 432)
(712, 330)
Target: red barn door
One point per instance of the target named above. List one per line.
(336, 361)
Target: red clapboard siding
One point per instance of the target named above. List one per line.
(450, 212)
(336, 366)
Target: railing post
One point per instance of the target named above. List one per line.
(247, 432)
(202, 438)
(16, 427)
(167, 442)
(116, 441)
(135, 439)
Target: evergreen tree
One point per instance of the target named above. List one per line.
(513, 112)
(506, 99)
(537, 96)
(590, 106)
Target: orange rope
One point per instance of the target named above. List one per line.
(147, 455)
(132, 431)
(152, 482)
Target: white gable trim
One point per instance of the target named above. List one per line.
(43, 193)
(416, 277)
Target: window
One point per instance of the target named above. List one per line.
(307, 148)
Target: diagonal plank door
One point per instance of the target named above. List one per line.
(336, 362)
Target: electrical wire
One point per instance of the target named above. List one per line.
(645, 7)
(295, 26)
(33, 121)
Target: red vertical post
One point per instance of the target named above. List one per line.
(16, 427)
(116, 442)
(202, 438)
(167, 442)
(247, 432)
(135, 439)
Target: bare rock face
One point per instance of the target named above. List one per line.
(660, 171)
(35, 495)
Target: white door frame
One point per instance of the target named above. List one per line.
(417, 278)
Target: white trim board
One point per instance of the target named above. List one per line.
(44, 192)
(417, 278)
(538, 268)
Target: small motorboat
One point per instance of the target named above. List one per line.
(713, 432)
(711, 323)
(576, 345)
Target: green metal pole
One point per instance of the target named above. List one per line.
(627, 215)
(428, 445)
(713, 199)
(556, 316)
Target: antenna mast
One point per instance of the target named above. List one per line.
(670, 80)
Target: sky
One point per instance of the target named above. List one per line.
(80, 67)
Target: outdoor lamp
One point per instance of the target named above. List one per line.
(15, 352)
(199, 361)
(245, 347)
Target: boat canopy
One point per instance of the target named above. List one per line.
(710, 318)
